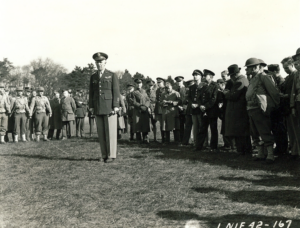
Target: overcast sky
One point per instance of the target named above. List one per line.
(156, 38)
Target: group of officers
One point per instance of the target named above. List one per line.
(27, 114)
(261, 109)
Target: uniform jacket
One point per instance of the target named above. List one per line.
(104, 92)
(193, 99)
(182, 90)
(40, 104)
(236, 116)
(265, 86)
(20, 105)
(4, 105)
(158, 108)
(80, 106)
(55, 121)
(152, 96)
(68, 109)
(208, 97)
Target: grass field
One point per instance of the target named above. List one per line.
(62, 184)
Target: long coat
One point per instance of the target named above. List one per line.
(141, 103)
(68, 108)
(170, 113)
(55, 121)
(237, 120)
(104, 93)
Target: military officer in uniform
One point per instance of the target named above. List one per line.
(80, 113)
(158, 107)
(19, 108)
(129, 99)
(41, 105)
(209, 106)
(152, 96)
(104, 102)
(4, 112)
(180, 88)
(195, 110)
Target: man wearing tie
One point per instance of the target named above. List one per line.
(103, 103)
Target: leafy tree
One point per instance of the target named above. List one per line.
(5, 69)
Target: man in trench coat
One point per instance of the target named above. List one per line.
(104, 99)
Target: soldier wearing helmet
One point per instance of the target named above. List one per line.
(41, 105)
(262, 97)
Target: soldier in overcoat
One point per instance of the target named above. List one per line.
(55, 121)
(158, 108)
(129, 99)
(152, 96)
(141, 103)
(209, 107)
(170, 114)
(19, 108)
(80, 113)
(68, 109)
(104, 98)
(40, 105)
(4, 112)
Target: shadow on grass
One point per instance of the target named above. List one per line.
(233, 220)
(49, 158)
(267, 198)
(268, 180)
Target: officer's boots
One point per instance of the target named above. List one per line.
(24, 138)
(2, 139)
(15, 138)
(37, 138)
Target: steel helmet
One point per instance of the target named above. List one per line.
(252, 62)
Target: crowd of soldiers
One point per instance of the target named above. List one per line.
(261, 109)
(27, 114)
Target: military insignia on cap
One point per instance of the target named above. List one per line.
(99, 56)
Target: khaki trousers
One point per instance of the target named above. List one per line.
(107, 133)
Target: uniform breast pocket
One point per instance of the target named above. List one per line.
(107, 83)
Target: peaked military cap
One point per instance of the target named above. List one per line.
(40, 89)
(273, 67)
(179, 78)
(160, 80)
(199, 72)
(190, 82)
(208, 72)
(2, 85)
(297, 53)
(130, 85)
(150, 82)
(99, 56)
(19, 88)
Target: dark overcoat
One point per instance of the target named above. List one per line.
(237, 120)
(55, 121)
(104, 93)
(140, 119)
(170, 113)
(192, 98)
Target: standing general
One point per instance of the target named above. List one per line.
(104, 98)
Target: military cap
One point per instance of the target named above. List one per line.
(179, 78)
(208, 72)
(138, 80)
(99, 56)
(233, 69)
(40, 89)
(160, 80)
(130, 85)
(273, 67)
(150, 82)
(19, 88)
(297, 53)
(262, 63)
(197, 72)
(220, 81)
(2, 85)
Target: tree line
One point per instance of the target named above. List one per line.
(53, 76)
